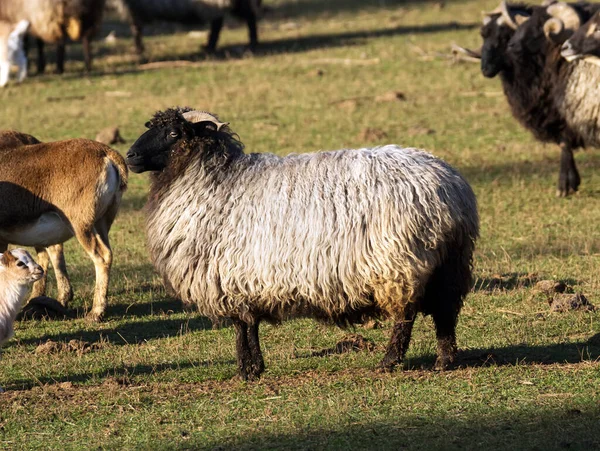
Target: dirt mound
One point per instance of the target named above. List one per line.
(79, 347)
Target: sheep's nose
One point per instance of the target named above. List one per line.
(131, 154)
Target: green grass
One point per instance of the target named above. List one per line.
(161, 378)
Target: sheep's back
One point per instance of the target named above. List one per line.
(328, 229)
(171, 10)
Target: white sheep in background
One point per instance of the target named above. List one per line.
(12, 52)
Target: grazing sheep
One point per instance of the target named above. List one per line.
(50, 192)
(53, 21)
(11, 50)
(140, 12)
(338, 236)
(550, 97)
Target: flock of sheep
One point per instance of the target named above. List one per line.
(340, 236)
(56, 21)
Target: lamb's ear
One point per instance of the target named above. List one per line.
(7, 258)
(148, 124)
(198, 117)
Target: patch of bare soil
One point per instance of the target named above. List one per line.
(372, 134)
(354, 342)
(77, 346)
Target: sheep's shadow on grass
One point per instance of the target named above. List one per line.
(122, 375)
(522, 354)
(128, 333)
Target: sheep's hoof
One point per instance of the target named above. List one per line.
(384, 367)
(443, 363)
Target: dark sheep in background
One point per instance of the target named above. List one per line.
(337, 236)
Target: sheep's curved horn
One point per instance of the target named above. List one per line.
(202, 116)
(565, 20)
(507, 15)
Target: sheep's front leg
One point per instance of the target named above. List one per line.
(213, 37)
(95, 243)
(242, 348)
(87, 53)
(252, 32)
(568, 180)
(257, 361)
(400, 339)
(65, 290)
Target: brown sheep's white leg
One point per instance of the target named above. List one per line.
(39, 288)
(95, 243)
(63, 284)
(400, 339)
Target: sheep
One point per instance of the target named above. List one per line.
(338, 236)
(12, 53)
(50, 192)
(546, 94)
(585, 42)
(140, 12)
(17, 272)
(53, 21)
(10, 140)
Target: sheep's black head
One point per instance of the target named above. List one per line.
(498, 28)
(585, 42)
(168, 131)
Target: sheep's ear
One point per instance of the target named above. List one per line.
(147, 124)
(7, 258)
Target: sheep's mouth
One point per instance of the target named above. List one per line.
(570, 55)
(35, 276)
(136, 168)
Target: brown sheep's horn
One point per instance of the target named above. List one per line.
(565, 20)
(202, 116)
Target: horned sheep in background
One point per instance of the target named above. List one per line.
(52, 21)
(585, 43)
(50, 192)
(552, 98)
(337, 236)
(141, 12)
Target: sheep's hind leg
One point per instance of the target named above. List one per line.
(445, 331)
(258, 363)
(95, 243)
(213, 37)
(65, 290)
(243, 350)
(400, 339)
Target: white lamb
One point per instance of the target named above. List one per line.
(11, 50)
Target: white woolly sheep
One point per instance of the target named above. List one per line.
(338, 236)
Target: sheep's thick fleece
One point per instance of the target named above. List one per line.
(333, 232)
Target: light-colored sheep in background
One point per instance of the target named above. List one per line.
(338, 236)
(11, 50)
(52, 21)
(50, 192)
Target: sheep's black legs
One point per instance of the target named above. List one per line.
(252, 33)
(244, 354)
(568, 180)
(41, 58)
(87, 53)
(136, 31)
(400, 339)
(258, 364)
(445, 331)
(60, 56)
(213, 37)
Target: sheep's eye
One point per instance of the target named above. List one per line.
(174, 134)
(21, 264)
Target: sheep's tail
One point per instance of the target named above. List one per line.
(119, 162)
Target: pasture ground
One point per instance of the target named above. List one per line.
(341, 73)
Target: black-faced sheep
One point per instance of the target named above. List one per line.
(141, 12)
(550, 97)
(585, 42)
(50, 192)
(337, 236)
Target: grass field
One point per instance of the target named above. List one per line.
(330, 74)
